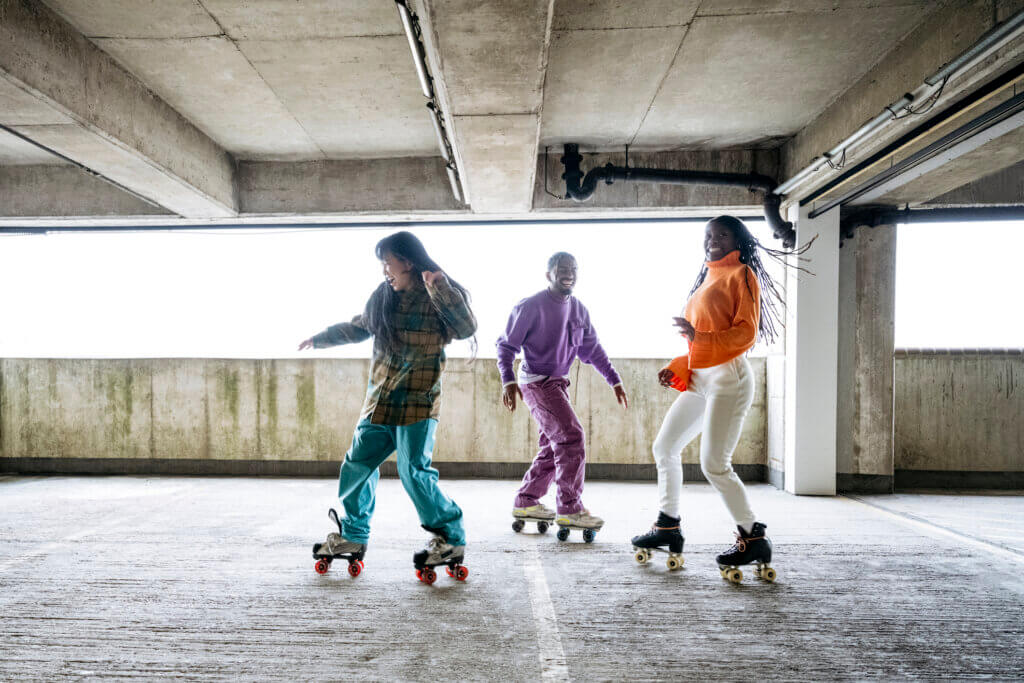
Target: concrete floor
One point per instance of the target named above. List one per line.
(212, 578)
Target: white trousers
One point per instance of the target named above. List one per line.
(714, 405)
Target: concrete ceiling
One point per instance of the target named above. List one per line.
(209, 99)
(315, 79)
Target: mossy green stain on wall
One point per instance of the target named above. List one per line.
(227, 390)
(305, 401)
(272, 402)
(117, 386)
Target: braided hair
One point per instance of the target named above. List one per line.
(769, 318)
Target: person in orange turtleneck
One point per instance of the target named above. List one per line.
(723, 317)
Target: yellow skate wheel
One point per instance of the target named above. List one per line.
(641, 556)
(734, 575)
(674, 563)
(768, 574)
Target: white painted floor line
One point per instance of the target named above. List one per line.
(549, 642)
(935, 530)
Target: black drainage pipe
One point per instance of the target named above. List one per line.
(580, 187)
(873, 216)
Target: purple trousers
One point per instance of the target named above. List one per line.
(562, 447)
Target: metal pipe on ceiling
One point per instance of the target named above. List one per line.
(931, 87)
(580, 187)
(414, 35)
(415, 48)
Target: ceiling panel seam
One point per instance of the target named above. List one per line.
(248, 61)
(661, 83)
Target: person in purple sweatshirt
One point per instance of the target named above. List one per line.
(552, 328)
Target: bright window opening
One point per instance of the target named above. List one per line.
(257, 293)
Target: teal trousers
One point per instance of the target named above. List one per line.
(357, 481)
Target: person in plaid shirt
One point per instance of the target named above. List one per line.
(411, 316)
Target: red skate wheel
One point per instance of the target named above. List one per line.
(428, 576)
(450, 572)
(461, 573)
(354, 568)
(321, 566)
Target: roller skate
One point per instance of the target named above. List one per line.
(666, 533)
(337, 546)
(439, 551)
(753, 548)
(539, 513)
(588, 523)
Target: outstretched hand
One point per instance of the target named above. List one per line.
(508, 396)
(620, 396)
(433, 278)
(307, 344)
(685, 328)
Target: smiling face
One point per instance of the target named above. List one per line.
(562, 276)
(398, 272)
(718, 241)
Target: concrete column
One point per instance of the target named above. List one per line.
(812, 311)
(867, 314)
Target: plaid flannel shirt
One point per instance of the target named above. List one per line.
(405, 385)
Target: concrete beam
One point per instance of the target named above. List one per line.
(489, 59)
(966, 163)
(88, 108)
(944, 35)
(646, 196)
(49, 191)
(410, 184)
(1005, 187)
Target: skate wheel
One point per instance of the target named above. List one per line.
(427, 576)
(321, 566)
(733, 575)
(674, 563)
(354, 568)
(563, 533)
(518, 525)
(768, 574)
(641, 556)
(450, 572)
(589, 535)
(542, 527)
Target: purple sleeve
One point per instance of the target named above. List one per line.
(592, 352)
(510, 343)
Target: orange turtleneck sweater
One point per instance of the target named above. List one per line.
(724, 312)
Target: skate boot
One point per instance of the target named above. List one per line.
(588, 523)
(439, 551)
(753, 548)
(539, 513)
(666, 533)
(337, 546)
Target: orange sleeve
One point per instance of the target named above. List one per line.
(714, 348)
(680, 369)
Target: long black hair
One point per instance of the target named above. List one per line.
(380, 309)
(769, 319)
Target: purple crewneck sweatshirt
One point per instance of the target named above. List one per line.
(552, 332)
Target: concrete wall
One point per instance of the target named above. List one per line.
(867, 316)
(959, 419)
(297, 416)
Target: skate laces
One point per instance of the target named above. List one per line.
(435, 543)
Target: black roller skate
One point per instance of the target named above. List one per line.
(439, 551)
(753, 548)
(337, 546)
(666, 533)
